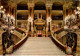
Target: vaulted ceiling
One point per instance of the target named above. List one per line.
(65, 3)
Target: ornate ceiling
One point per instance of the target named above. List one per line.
(66, 4)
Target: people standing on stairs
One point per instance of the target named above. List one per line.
(7, 42)
(75, 41)
(71, 42)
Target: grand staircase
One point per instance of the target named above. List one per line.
(39, 46)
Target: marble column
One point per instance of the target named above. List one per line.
(28, 17)
(28, 12)
(14, 14)
(51, 18)
(48, 14)
(64, 15)
(31, 14)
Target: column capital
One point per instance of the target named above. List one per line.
(9, 3)
(30, 5)
(49, 1)
(14, 5)
(48, 5)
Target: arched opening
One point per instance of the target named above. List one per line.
(57, 15)
(22, 6)
(22, 14)
(40, 6)
(57, 6)
(40, 11)
(57, 11)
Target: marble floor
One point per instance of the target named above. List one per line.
(38, 46)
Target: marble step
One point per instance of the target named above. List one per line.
(39, 46)
(38, 55)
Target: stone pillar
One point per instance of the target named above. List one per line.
(64, 15)
(48, 14)
(31, 14)
(51, 18)
(28, 17)
(14, 14)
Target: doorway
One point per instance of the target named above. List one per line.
(39, 35)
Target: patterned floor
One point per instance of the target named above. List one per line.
(39, 46)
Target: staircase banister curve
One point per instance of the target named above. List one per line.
(18, 44)
(59, 44)
(58, 41)
(21, 40)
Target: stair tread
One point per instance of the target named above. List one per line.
(39, 46)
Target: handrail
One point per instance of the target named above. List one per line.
(59, 44)
(17, 45)
(58, 41)
(17, 29)
(59, 30)
(62, 35)
(21, 39)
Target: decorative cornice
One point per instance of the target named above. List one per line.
(30, 4)
(48, 5)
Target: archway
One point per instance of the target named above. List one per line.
(40, 6)
(57, 6)
(40, 10)
(22, 6)
(57, 13)
(22, 14)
